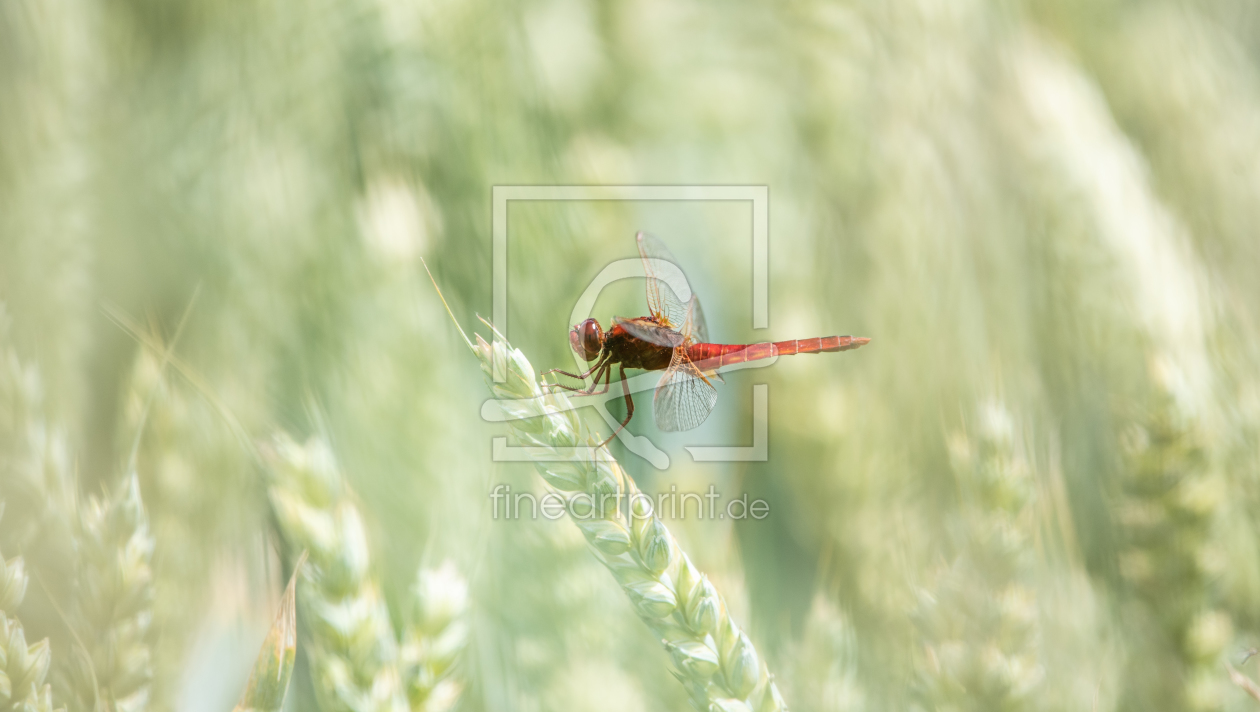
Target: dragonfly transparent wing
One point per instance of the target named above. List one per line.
(695, 330)
(683, 398)
(694, 326)
(663, 302)
(650, 332)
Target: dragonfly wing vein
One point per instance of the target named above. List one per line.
(663, 303)
(683, 398)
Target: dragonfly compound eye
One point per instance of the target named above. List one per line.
(587, 339)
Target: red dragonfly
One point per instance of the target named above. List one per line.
(673, 338)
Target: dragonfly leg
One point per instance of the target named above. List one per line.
(625, 387)
(606, 370)
(599, 363)
(605, 374)
(579, 376)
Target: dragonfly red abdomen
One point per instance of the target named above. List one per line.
(713, 356)
(819, 344)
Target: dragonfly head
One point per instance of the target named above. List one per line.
(587, 339)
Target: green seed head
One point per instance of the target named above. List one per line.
(704, 610)
(730, 705)
(13, 581)
(694, 659)
(742, 667)
(655, 547)
(652, 598)
(610, 537)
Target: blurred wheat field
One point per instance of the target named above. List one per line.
(1036, 489)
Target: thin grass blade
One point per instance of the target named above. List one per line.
(269, 680)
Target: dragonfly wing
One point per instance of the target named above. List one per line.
(696, 330)
(683, 398)
(650, 332)
(663, 302)
(694, 326)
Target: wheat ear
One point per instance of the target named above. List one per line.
(351, 646)
(435, 636)
(1169, 497)
(978, 618)
(35, 463)
(113, 604)
(713, 658)
(23, 667)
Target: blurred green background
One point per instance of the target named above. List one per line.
(1036, 488)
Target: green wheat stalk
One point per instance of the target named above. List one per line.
(113, 605)
(349, 639)
(821, 669)
(23, 667)
(105, 542)
(714, 660)
(35, 462)
(1167, 505)
(434, 638)
(978, 619)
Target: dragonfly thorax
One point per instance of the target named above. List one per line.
(587, 339)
